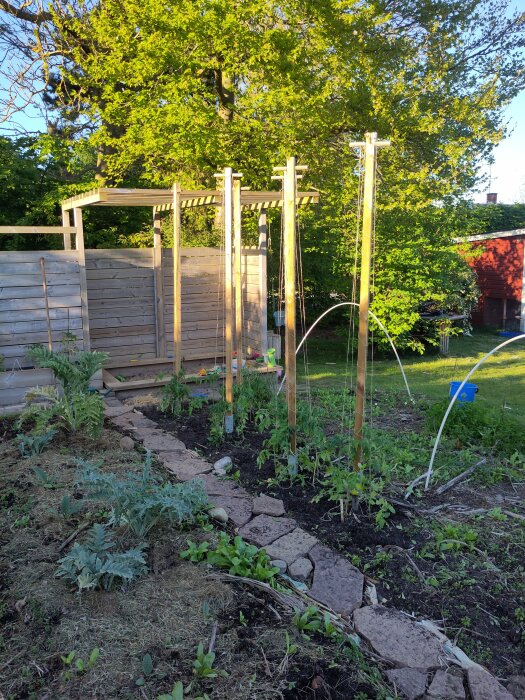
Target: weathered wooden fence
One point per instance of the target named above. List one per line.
(124, 307)
(23, 310)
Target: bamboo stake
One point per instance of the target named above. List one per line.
(177, 305)
(160, 333)
(237, 229)
(46, 299)
(371, 144)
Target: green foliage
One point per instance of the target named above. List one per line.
(69, 507)
(179, 692)
(140, 501)
(203, 664)
(94, 564)
(238, 557)
(479, 426)
(44, 479)
(454, 538)
(74, 412)
(34, 444)
(80, 666)
(174, 394)
(73, 370)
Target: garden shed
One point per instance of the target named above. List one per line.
(151, 309)
(500, 267)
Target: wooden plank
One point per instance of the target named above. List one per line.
(146, 283)
(31, 304)
(38, 314)
(39, 230)
(31, 326)
(24, 339)
(119, 273)
(58, 290)
(21, 280)
(113, 323)
(123, 293)
(26, 378)
(122, 331)
(79, 242)
(33, 267)
(148, 339)
(29, 256)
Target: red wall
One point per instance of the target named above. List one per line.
(500, 272)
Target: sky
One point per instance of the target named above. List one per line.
(508, 172)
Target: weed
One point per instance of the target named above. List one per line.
(180, 692)
(310, 620)
(147, 669)
(43, 478)
(93, 565)
(69, 507)
(79, 666)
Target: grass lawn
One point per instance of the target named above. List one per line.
(501, 379)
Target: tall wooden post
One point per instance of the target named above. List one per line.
(289, 213)
(263, 281)
(79, 243)
(177, 291)
(227, 205)
(237, 227)
(160, 334)
(371, 145)
(66, 222)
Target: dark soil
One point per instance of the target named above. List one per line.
(475, 594)
(165, 613)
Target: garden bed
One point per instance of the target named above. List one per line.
(456, 559)
(57, 643)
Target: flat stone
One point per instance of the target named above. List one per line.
(126, 443)
(446, 686)
(123, 421)
(184, 464)
(266, 505)
(483, 686)
(138, 420)
(336, 583)
(115, 411)
(239, 509)
(264, 530)
(224, 487)
(410, 682)
(218, 514)
(516, 686)
(222, 465)
(159, 441)
(279, 564)
(397, 638)
(291, 546)
(301, 569)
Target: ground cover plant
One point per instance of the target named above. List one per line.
(94, 605)
(454, 557)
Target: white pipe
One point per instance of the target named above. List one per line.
(352, 303)
(428, 474)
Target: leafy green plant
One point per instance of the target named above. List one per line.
(203, 664)
(94, 564)
(80, 666)
(34, 443)
(238, 557)
(74, 412)
(140, 501)
(73, 370)
(43, 478)
(310, 620)
(176, 399)
(69, 507)
(454, 538)
(147, 669)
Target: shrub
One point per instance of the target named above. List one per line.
(93, 564)
(74, 411)
(140, 501)
(73, 370)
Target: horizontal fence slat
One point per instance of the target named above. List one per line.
(55, 291)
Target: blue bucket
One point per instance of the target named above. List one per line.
(468, 392)
(278, 317)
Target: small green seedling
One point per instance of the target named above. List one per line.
(179, 692)
(203, 664)
(147, 669)
(195, 552)
(80, 666)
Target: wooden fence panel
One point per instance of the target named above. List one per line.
(23, 313)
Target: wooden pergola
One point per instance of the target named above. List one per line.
(231, 198)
